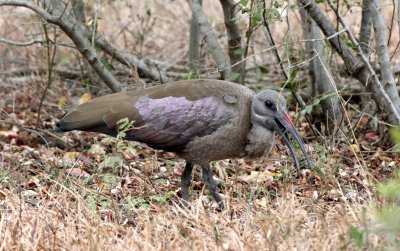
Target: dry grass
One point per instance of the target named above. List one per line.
(60, 219)
(45, 207)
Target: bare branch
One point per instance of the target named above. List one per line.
(17, 43)
(74, 30)
(146, 66)
(383, 52)
(80, 35)
(365, 28)
(360, 70)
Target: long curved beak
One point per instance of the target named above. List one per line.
(284, 126)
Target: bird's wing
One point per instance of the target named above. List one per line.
(170, 123)
(166, 117)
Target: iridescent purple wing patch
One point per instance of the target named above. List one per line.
(170, 123)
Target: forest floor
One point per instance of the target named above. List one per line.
(77, 190)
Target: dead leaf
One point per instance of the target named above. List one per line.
(263, 202)
(78, 172)
(372, 136)
(129, 154)
(363, 122)
(178, 171)
(97, 149)
(71, 155)
(148, 166)
(312, 194)
(85, 98)
(270, 168)
(256, 176)
(355, 148)
(61, 101)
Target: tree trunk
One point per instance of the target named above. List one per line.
(96, 84)
(360, 70)
(211, 39)
(383, 52)
(194, 47)
(234, 38)
(320, 73)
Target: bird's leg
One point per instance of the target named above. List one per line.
(212, 185)
(185, 183)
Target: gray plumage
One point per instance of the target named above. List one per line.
(200, 120)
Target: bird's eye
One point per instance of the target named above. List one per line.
(269, 104)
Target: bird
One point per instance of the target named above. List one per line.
(200, 120)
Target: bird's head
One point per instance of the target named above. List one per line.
(269, 110)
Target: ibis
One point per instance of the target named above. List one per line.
(199, 120)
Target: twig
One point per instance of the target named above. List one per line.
(296, 95)
(17, 43)
(34, 41)
(50, 64)
(246, 46)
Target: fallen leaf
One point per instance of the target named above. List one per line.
(71, 155)
(148, 166)
(61, 101)
(372, 136)
(263, 202)
(363, 122)
(178, 171)
(130, 154)
(256, 176)
(271, 168)
(355, 148)
(78, 172)
(97, 149)
(309, 148)
(85, 98)
(312, 194)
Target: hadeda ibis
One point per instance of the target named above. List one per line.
(200, 120)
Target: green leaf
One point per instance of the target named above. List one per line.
(255, 20)
(107, 64)
(357, 236)
(111, 162)
(307, 110)
(390, 190)
(122, 123)
(395, 135)
(389, 216)
(136, 202)
(244, 2)
(293, 74)
(235, 75)
(316, 101)
(158, 198)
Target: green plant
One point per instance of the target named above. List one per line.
(121, 145)
(162, 198)
(315, 102)
(385, 216)
(136, 202)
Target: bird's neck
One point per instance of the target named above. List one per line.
(260, 140)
